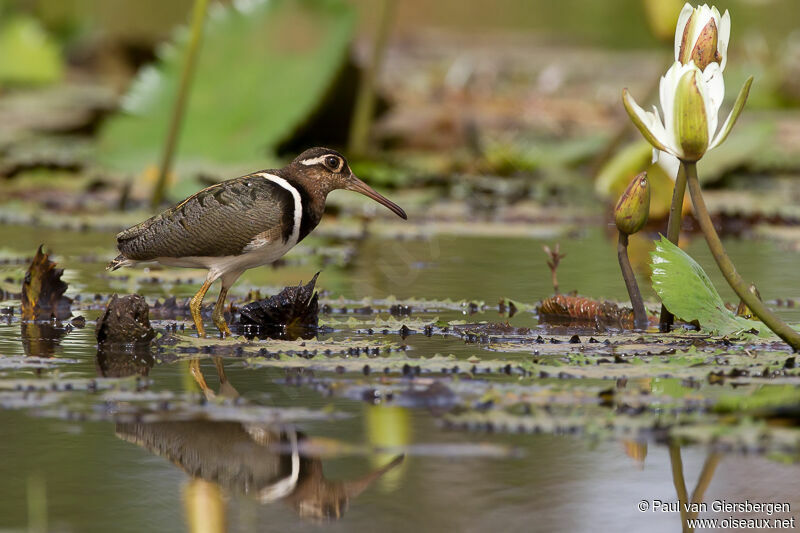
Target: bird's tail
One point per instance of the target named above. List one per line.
(119, 262)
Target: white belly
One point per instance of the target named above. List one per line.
(220, 265)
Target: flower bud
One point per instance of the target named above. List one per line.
(702, 36)
(705, 48)
(691, 121)
(633, 207)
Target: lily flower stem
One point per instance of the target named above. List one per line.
(171, 142)
(357, 143)
(778, 326)
(639, 314)
(673, 234)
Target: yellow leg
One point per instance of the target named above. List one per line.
(197, 374)
(194, 306)
(219, 314)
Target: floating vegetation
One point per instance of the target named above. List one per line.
(43, 291)
(125, 321)
(291, 314)
(577, 371)
(563, 308)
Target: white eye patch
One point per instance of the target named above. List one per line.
(321, 160)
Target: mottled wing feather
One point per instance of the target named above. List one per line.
(220, 220)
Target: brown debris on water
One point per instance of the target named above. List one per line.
(562, 308)
(43, 290)
(125, 321)
(293, 313)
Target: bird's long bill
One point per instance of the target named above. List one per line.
(357, 185)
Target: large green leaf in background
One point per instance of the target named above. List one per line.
(28, 56)
(688, 293)
(263, 68)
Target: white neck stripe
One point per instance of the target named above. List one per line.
(298, 205)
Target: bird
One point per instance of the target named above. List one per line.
(242, 223)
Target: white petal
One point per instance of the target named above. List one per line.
(713, 77)
(723, 38)
(733, 116)
(720, 136)
(666, 93)
(670, 164)
(703, 16)
(715, 14)
(657, 127)
(667, 90)
(683, 20)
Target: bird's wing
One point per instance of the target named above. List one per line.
(221, 220)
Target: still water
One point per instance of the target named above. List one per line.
(61, 474)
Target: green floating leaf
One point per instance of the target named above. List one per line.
(688, 293)
(27, 54)
(262, 69)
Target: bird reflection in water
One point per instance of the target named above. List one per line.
(260, 461)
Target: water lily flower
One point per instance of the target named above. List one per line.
(690, 104)
(702, 36)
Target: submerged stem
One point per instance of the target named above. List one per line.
(673, 234)
(639, 312)
(198, 19)
(706, 475)
(728, 269)
(679, 482)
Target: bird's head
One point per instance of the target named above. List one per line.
(326, 170)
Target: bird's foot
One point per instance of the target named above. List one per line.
(222, 326)
(195, 305)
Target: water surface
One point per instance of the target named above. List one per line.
(103, 475)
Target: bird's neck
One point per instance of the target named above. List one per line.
(313, 202)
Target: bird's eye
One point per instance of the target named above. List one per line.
(332, 162)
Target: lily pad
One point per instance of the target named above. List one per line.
(688, 293)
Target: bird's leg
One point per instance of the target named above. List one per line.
(195, 305)
(219, 314)
(228, 279)
(197, 374)
(226, 390)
